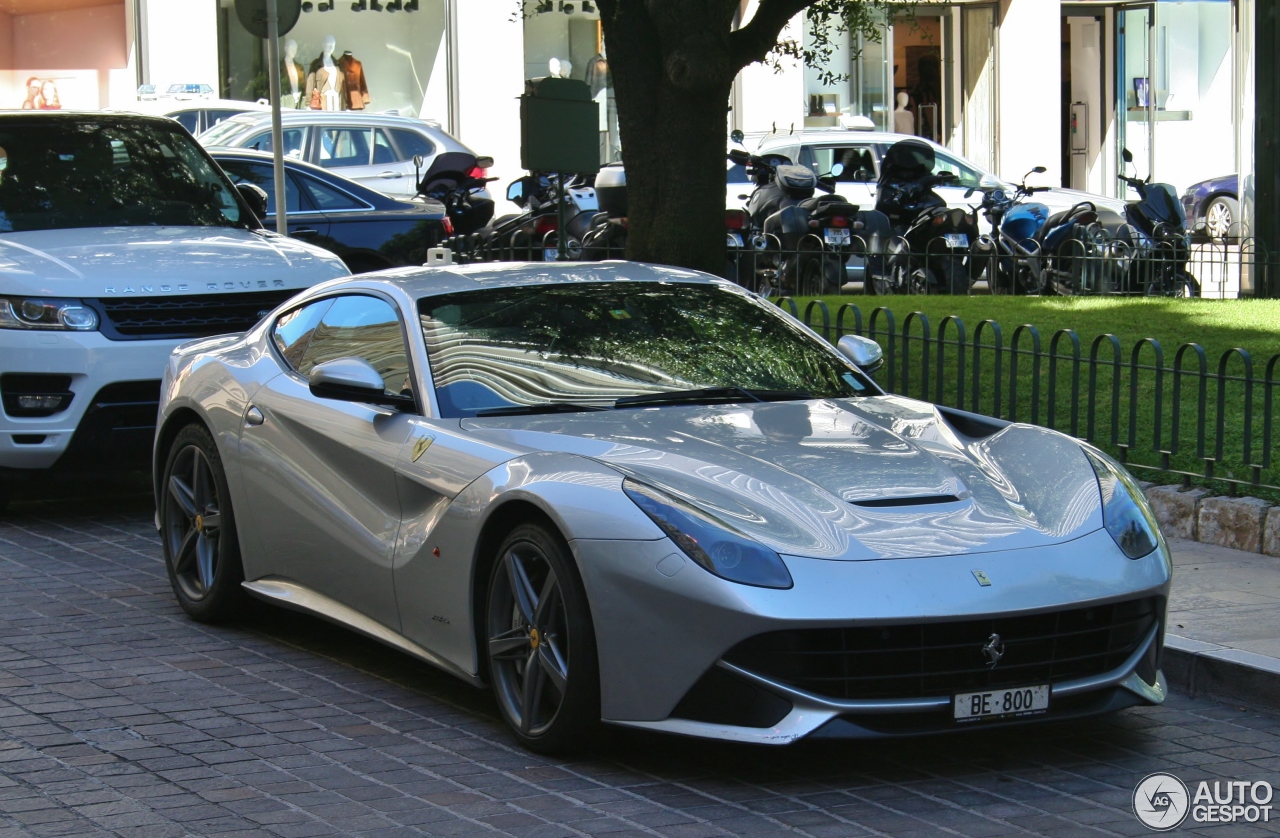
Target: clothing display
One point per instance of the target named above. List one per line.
(328, 83)
(293, 83)
(597, 75)
(356, 89)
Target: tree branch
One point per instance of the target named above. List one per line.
(753, 42)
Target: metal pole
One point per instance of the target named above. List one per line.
(452, 98)
(562, 235)
(277, 139)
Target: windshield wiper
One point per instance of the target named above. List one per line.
(712, 394)
(541, 407)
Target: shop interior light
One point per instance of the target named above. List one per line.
(587, 8)
(567, 8)
(544, 6)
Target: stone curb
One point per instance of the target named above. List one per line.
(1243, 523)
(1206, 670)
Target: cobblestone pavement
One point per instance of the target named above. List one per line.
(118, 716)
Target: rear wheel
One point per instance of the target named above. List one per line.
(541, 643)
(198, 529)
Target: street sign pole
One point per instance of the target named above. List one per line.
(277, 138)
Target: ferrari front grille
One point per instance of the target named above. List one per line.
(922, 660)
(183, 317)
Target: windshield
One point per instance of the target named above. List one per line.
(225, 132)
(66, 173)
(591, 344)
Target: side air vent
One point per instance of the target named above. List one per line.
(972, 425)
(918, 500)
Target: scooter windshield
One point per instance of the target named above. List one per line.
(1162, 206)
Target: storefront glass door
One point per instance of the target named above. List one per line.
(1133, 85)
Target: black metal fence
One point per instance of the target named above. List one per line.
(1181, 413)
(1101, 264)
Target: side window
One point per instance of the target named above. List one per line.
(325, 197)
(263, 176)
(383, 153)
(188, 120)
(294, 141)
(858, 161)
(968, 176)
(345, 147)
(411, 143)
(212, 118)
(293, 330)
(362, 327)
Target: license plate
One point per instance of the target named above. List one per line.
(996, 704)
(956, 239)
(837, 235)
(550, 254)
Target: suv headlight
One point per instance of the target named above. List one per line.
(713, 544)
(1125, 512)
(46, 313)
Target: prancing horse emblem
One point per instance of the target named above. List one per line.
(994, 650)
(421, 445)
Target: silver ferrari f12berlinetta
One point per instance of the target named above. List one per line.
(622, 494)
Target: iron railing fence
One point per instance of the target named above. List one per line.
(1181, 412)
(1102, 264)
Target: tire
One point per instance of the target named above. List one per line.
(537, 620)
(1220, 216)
(198, 530)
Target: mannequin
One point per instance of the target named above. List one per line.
(904, 121)
(597, 73)
(325, 84)
(357, 91)
(293, 79)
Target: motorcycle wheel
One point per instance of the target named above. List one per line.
(953, 276)
(1186, 285)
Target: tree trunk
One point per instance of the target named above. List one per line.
(672, 91)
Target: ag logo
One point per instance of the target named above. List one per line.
(1161, 802)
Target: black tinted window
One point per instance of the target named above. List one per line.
(362, 327)
(344, 147)
(325, 197)
(293, 330)
(66, 173)
(411, 143)
(188, 120)
(263, 176)
(293, 141)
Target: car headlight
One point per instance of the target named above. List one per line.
(46, 313)
(711, 543)
(1125, 512)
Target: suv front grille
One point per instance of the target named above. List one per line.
(185, 317)
(924, 660)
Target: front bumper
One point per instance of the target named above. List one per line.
(111, 417)
(664, 633)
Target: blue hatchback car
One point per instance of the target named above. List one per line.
(1214, 206)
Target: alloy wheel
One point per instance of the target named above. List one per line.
(193, 522)
(528, 639)
(1217, 220)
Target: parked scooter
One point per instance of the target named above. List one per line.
(1158, 243)
(533, 235)
(456, 179)
(931, 246)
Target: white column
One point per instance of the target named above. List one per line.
(1029, 109)
(770, 99)
(180, 39)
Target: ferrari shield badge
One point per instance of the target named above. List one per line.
(982, 578)
(421, 444)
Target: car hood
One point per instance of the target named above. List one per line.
(151, 261)
(868, 478)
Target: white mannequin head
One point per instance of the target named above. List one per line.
(330, 44)
(903, 98)
(554, 67)
(290, 49)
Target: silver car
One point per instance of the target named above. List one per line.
(376, 150)
(624, 494)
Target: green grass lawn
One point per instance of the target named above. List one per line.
(1216, 325)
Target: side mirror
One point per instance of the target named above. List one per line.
(737, 136)
(255, 196)
(1039, 170)
(862, 176)
(515, 192)
(864, 352)
(352, 380)
(837, 170)
(1126, 155)
(484, 162)
(419, 161)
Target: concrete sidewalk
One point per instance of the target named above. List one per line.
(1223, 639)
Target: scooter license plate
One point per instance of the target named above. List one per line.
(956, 239)
(836, 235)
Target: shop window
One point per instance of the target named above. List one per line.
(344, 147)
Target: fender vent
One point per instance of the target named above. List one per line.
(918, 500)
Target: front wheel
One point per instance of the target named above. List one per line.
(198, 529)
(541, 643)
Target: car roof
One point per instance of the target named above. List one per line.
(101, 117)
(172, 106)
(421, 282)
(840, 136)
(308, 116)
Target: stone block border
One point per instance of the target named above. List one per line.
(1248, 524)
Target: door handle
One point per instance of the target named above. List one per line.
(306, 233)
(254, 417)
(391, 174)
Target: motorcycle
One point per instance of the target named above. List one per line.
(456, 180)
(1157, 244)
(930, 250)
(801, 240)
(533, 235)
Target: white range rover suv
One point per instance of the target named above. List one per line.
(119, 239)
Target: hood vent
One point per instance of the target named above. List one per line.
(917, 500)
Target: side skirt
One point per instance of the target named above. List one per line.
(296, 597)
